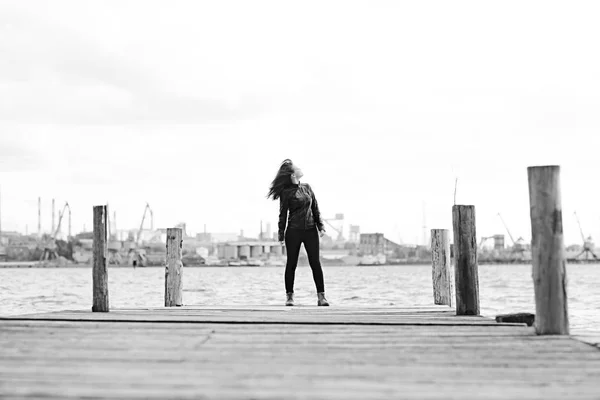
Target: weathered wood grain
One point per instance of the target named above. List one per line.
(548, 251)
(127, 360)
(308, 316)
(466, 272)
(174, 268)
(440, 267)
(100, 301)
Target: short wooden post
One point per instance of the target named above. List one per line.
(547, 251)
(174, 268)
(440, 267)
(99, 270)
(465, 260)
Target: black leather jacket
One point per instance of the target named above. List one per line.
(303, 209)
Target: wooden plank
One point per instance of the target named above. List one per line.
(275, 315)
(371, 352)
(447, 330)
(299, 308)
(221, 346)
(591, 339)
(218, 350)
(244, 319)
(137, 366)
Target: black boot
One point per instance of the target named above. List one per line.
(322, 301)
(290, 299)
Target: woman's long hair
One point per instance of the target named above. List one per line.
(282, 179)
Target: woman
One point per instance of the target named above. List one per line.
(304, 225)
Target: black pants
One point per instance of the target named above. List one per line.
(293, 239)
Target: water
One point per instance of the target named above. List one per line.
(503, 288)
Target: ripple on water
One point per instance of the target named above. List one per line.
(503, 289)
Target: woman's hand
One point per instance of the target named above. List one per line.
(321, 232)
(282, 243)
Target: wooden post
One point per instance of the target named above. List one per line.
(465, 260)
(440, 267)
(174, 268)
(99, 272)
(547, 251)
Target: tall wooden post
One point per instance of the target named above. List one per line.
(440, 267)
(174, 268)
(465, 260)
(547, 251)
(99, 272)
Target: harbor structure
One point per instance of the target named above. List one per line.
(246, 249)
(145, 244)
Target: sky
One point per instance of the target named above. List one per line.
(191, 107)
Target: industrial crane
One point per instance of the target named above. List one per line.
(114, 256)
(138, 258)
(588, 244)
(339, 230)
(50, 251)
(507, 230)
(139, 234)
(61, 214)
(518, 244)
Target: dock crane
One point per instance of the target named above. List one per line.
(51, 249)
(137, 255)
(61, 214)
(518, 244)
(139, 234)
(588, 244)
(114, 245)
(339, 230)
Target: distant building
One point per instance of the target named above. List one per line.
(9, 236)
(148, 235)
(218, 237)
(354, 233)
(498, 242)
(376, 243)
(372, 244)
(183, 227)
(249, 249)
(203, 237)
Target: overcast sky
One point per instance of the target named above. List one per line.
(191, 106)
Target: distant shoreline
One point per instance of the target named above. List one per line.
(37, 265)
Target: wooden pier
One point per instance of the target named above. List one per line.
(309, 352)
(304, 352)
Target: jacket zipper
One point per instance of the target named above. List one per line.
(309, 209)
(306, 216)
